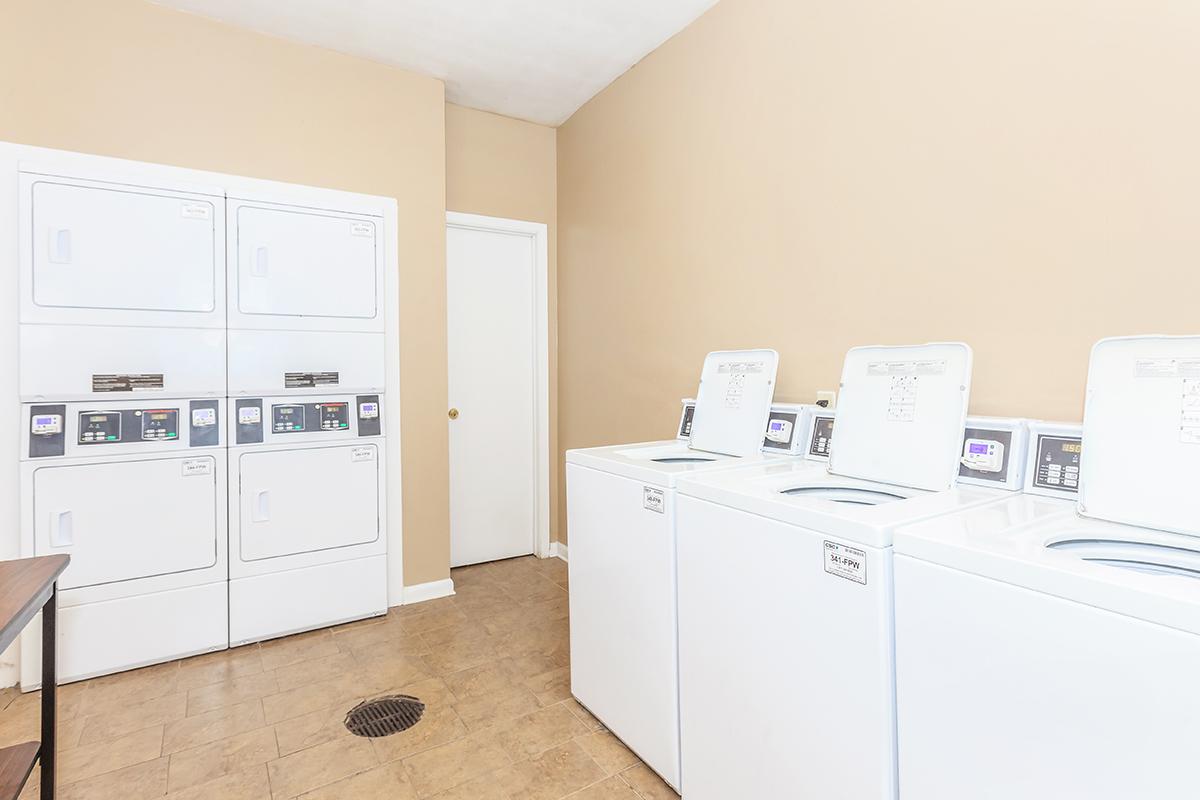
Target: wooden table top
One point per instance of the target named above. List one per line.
(24, 588)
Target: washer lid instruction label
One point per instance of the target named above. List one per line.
(846, 562)
(652, 499)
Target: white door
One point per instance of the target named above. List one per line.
(302, 263)
(103, 247)
(127, 519)
(495, 305)
(302, 501)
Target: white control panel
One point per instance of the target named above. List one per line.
(779, 430)
(368, 410)
(983, 455)
(46, 424)
(819, 440)
(249, 415)
(993, 452)
(1055, 450)
(204, 417)
(684, 431)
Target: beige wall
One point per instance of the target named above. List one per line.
(814, 175)
(504, 167)
(128, 79)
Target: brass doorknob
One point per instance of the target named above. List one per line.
(452, 413)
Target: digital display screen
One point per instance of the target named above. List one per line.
(285, 410)
(43, 420)
(99, 418)
(1072, 447)
(369, 408)
(158, 416)
(776, 425)
(979, 448)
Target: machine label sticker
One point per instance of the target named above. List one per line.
(197, 466)
(191, 210)
(362, 454)
(1189, 415)
(652, 499)
(902, 399)
(927, 367)
(1166, 368)
(846, 562)
(362, 229)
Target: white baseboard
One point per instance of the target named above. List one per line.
(427, 591)
(559, 550)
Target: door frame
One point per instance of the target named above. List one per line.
(537, 233)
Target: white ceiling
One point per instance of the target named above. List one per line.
(538, 60)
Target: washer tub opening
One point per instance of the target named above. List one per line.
(1147, 557)
(845, 494)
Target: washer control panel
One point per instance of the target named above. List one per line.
(820, 436)
(63, 429)
(993, 452)
(1055, 454)
(684, 432)
(99, 427)
(160, 423)
(259, 420)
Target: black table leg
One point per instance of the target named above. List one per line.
(49, 689)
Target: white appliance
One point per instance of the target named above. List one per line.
(1046, 652)
(306, 294)
(307, 376)
(307, 485)
(621, 523)
(785, 587)
(103, 257)
(788, 425)
(134, 492)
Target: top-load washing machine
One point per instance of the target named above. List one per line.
(621, 528)
(785, 587)
(1046, 651)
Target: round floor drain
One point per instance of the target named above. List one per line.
(384, 716)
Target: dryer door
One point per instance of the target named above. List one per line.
(123, 520)
(306, 263)
(308, 500)
(98, 246)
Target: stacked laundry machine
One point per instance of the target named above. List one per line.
(306, 376)
(165, 317)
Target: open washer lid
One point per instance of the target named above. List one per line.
(1141, 424)
(733, 401)
(901, 414)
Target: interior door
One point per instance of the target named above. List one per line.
(125, 520)
(302, 501)
(107, 247)
(297, 262)
(491, 284)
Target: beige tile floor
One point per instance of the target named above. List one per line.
(265, 721)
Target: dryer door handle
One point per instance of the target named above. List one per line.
(261, 511)
(62, 529)
(258, 267)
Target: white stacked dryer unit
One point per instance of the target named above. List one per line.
(121, 383)
(785, 587)
(1049, 648)
(307, 366)
(621, 521)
